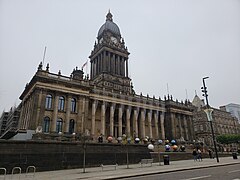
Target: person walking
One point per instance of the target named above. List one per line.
(199, 154)
(194, 153)
(210, 154)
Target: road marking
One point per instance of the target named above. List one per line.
(233, 171)
(200, 177)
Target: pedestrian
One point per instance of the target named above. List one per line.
(199, 154)
(194, 153)
(210, 154)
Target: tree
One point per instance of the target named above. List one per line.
(228, 138)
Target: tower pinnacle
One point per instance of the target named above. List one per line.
(109, 16)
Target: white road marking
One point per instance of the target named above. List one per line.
(233, 171)
(200, 177)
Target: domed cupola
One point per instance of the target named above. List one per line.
(109, 25)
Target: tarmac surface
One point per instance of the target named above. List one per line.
(109, 172)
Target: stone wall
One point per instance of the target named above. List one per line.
(49, 155)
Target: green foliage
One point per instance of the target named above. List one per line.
(228, 138)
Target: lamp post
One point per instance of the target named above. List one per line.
(209, 111)
(158, 143)
(84, 138)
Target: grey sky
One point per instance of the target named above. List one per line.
(174, 42)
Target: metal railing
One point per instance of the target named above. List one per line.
(19, 170)
(30, 171)
(5, 172)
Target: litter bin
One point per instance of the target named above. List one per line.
(234, 155)
(166, 159)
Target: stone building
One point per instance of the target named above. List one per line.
(223, 123)
(104, 103)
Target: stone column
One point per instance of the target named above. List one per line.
(143, 133)
(120, 113)
(21, 119)
(173, 126)
(180, 125)
(162, 126)
(155, 116)
(127, 68)
(94, 108)
(114, 64)
(25, 114)
(80, 114)
(104, 61)
(103, 111)
(112, 109)
(95, 67)
(135, 122)
(39, 121)
(128, 113)
(68, 108)
(190, 128)
(149, 116)
(28, 114)
(186, 127)
(55, 113)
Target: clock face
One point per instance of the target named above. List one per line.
(113, 39)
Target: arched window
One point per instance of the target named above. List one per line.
(46, 124)
(73, 105)
(48, 104)
(71, 126)
(59, 125)
(61, 103)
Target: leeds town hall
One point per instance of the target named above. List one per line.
(102, 103)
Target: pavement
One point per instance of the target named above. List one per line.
(109, 172)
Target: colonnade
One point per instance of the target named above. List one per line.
(181, 126)
(109, 62)
(125, 119)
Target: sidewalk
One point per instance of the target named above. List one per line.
(122, 171)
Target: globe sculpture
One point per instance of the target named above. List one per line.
(182, 148)
(145, 140)
(173, 142)
(150, 146)
(137, 140)
(119, 139)
(160, 141)
(175, 147)
(167, 148)
(110, 139)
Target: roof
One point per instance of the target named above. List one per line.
(109, 25)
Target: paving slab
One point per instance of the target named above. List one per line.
(96, 173)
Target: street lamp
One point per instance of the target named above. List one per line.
(84, 137)
(159, 142)
(209, 111)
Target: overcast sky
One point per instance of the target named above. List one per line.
(174, 42)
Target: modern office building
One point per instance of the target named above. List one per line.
(234, 109)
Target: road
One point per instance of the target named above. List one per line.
(229, 172)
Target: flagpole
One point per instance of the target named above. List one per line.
(44, 54)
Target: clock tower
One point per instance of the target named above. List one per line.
(109, 59)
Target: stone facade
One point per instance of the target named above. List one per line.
(223, 123)
(105, 103)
